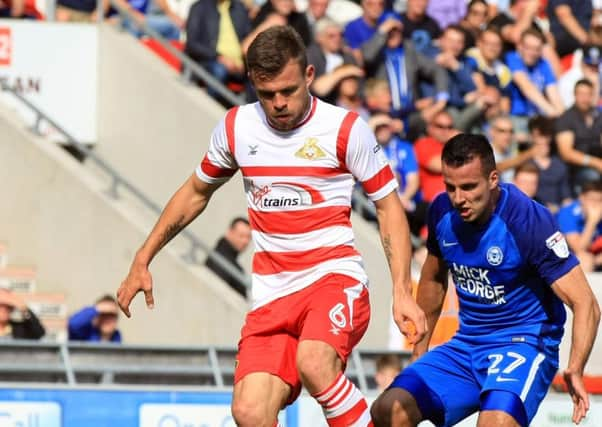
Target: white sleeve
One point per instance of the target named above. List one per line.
(218, 165)
(367, 162)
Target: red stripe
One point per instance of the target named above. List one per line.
(213, 171)
(378, 181)
(302, 221)
(319, 172)
(277, 262)
(348, 418)
(343, 138)
(340, 398)
(318, 396)
(230, 117)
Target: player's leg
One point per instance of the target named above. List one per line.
(438, 387)
(336, 318)
(492, 414)
(257, 399)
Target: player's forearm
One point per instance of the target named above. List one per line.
(430, 299)
(395, 237)
(184, 206)
(586, 318)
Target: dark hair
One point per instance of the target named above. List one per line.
(491, 29)
(591, 186)
(544, 125)
(473, 2)
(237, 220)
(464, 147)
(455, 27)
(584, 82)
(388, 361)
(526, 167)
(535, 33)
(106, 298)
(272, 49)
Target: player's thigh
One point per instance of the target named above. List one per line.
(442, 384)
(496, 419)
(257, 399)
(337, 314)
(521, 369)
(318, 364)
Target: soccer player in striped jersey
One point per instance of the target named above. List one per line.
(299, 158)
(513, 270)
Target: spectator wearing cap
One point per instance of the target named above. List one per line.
(387, 56)
(578, 133)
(418, 26)
(331, 62)
(588, 68)
(570, 23)
(534, 89)
(97, 322)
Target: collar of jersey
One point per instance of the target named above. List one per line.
(314, 103)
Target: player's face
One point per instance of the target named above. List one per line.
(285, 97)
(472, 194)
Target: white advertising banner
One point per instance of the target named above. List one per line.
(55, 67)
(30, 414)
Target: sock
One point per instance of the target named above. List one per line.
(344, 405)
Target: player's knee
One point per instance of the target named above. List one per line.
(248, 413)
(392, 410)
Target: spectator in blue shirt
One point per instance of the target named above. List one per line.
(581, 223)
(534, 89)
(97, 322)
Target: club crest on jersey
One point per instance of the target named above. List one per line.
(558, 244)
(310, 150)
(495, 256)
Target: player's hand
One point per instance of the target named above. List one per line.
(574, 382)
(410, 318)
(138, 279)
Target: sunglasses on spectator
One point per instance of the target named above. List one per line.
(504, 130)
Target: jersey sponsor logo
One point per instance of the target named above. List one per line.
(495, 256)
(558, 244)
(310, 150)
(475, 281)
(283, 194)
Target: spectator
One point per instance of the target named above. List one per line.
(578, 136)
(387, 368)
(18, 9)
(553, 189)
(491, 76)
(474, 22)
(16, 319)
(526, 179)
(581, 223)
(534, 89)
(154, 15)
(377, 95)
(446, 12)
(97, 322)
(360, 30)
(428, 151)
(284, 9)
(235, 241)
(514, 22)
(331, 62)
(349, 96)
(588, 68)
(75, 10)
(569, 22)
(505, 149)
(386, 56)
(316, 10)
(214, 31)
(418, 26)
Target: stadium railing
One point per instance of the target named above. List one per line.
(79, 363)
(119, 182)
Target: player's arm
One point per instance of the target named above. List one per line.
(574, 290)
(431, 293)
(183, 207)
(394, 233)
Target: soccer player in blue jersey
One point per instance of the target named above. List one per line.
(513, 270)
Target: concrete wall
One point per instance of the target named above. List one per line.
(57, 218)
(154, 130)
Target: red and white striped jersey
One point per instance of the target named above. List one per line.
(298, 186)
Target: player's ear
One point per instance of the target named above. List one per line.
(494, 179)
(310, 73)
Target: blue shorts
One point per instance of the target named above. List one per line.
(450, 381)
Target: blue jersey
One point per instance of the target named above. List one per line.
(540, 74)
(503, 269)
(402, 160)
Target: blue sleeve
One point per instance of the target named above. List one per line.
(80, 323)
(435, 212)
(351, 36)
(411, 164)
(514, 62)
(540, 242)
(464, 79)
(567, 221)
